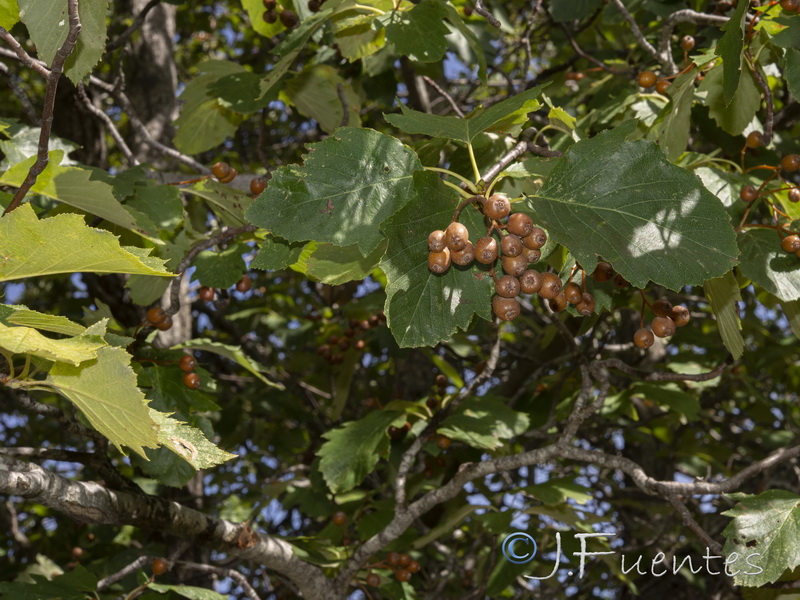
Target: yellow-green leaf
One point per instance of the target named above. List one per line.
(26, 340)
(188, 442)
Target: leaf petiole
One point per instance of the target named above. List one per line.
(464, 180)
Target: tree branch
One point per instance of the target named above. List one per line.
(481, 10)
(444, 95)
(637, 33)
(25, 58)
(109, 124)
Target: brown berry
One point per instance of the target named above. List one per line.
(620, 281)
(586, 306)
(532, 256)
(496, 206)
(646, 79)
(643, 338)
(465, 256)
(373, 579)
(220, 170)
(393, 558)
(191, 381)
(536, 239)
(443, 443)
(159, 566)
(314, 5)
(156, 315)
(551, 286)
(662, 308)
(530, 281)
(520, 224)
(339, 518)
(662, 86)
(206, 294)
(441, 380)
(573, 292)
(794, 195)
(187, 363)
(414, 566)
(77, 553)
(791, 243)
(790, 5)
(790, 162)
(559, 303)
(402, 575)
(663, 326)
(404, 561)
(680, 315)
(486, 250)
(603, 272)
(244, 284)
(270, 16)
(506, 309)
(164, 325)
(511, 245)
(257, 185)
(687, 43)
(755, 139)
(360, 345)
(514, 265)
(288, 18)
(456, 236)
(270, 4)
(507, 286)
(436, 241)
(229, 177)
(748, 193)
(438, 262)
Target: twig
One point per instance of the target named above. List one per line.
(345, 106)
(542, 151)
(644, 375)
(122, 573)
(41, 67)
(479, 8)
(16, 533)
(444, 95)
(137, 22)
(22, 56)
(637, 33)
(222, 572)
(689, 520)
(589, 57)
(770, 120)
(112, 129)
(26, 103)
(504, 161)
(42, 157)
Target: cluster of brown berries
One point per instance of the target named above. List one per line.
(791, 244)
(188, 364)
(337, 344)
(667, 319)
(402, 565)
(209, 294)
(223, 172)
(648, 79)
(271, 14)
(158, 318)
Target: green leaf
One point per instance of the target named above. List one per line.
(187, 591)
(351, 451)
(484, 423)
(161, 204)
(572, 10)
(188, 442)
(105, 391)
(673, 134)
(91, 40)
(347, 186)
(651, 220)
(315, 93)
(30, 247)
(76, 584)
(73, 350)
(9, 13)
(557, 490)
(671, 396)
(792, 73)
(763, 533)
(47, 23)
(736, 114)
(276, 253)
(456, 128)
(790, 36)
(423, 309)
(21, 315)
(336, 265)
(220, 269)
(730, 48)
(792, 312)
(232, 353)
(226, 202)
(456, 21)
(723, 293)
(359, 37)
(767, 265)
(74, 186)
(419, 33)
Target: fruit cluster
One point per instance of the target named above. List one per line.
(188, 364)
(209, 294)
(520, 245)
(287, 17)
(667, 319)
(158, 318)
(337, 344)
(402, 565)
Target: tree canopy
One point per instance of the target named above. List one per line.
(394, 299)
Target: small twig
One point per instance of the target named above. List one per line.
(504, 161)
(589, 57)
(345, 106)
(689, 520)
(42, 157)
(637, 33)
(16, 533)
(109, 124)
(644, 375)
(26, 103)
(444, 95)
(122, 573)
(22, 56)
(137, 23)
(769, 123)
(479, 8)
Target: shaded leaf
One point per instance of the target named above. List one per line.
(91, 40)
(76, 584)
(484, 423)
(187, 591)
(730, 48)
(232, 353)
(723, 293)
(572, 10)
(276, 253)
(673, 133)
(792, 312)
(315, 94)
(767, 265)
(220, 269)
(557, 490)
(419, 33)
(735, 114)
(227, 202)
(336, 265)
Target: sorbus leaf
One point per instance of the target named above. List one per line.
(767, 265)
(723, 292)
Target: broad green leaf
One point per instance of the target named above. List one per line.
(671, 396)
(74, 186)
(161, 204)
(91, 40)
(232, 353)
(789, 37)
(767, 265)
(723, 293)
(792, 312)
(188, 442)
(30, 247)
(21, 315)
(220, 269)
(228, 203)
(315, 93)
(572, 10)
(557, 490)
(624, 202)
(764, 533)
(105, 391)
(792, 72)
(276, 254)
(735, 114)
(456, 128)
(359, 37)
(145, 290)
(730, 48)
(47, 23)
(419, 33)
(423, 309)
(187, 591)
(336, 265)
(24, 143)
(9, 13)
(241, 92)
(347, 186)
(73, 350)
(76, 584)
(673, 133)
(351, 451)
(458, 23)
(484, 423)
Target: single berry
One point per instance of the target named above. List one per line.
(748, 193)
(402, 575)
(465, 256)
(507, 286)
(603, 272)
(77, 553)
(360, 345)
(520, 224)
(373, 579)
(662, 86)
(414, 566)
(573, 292)
(156, 314)
(229, 177)
(506, 309)
(165, 325)
(405, 560)
(496, 206)
(586, 306)
(191, 381)
(647, 79)
(486, 250)
(339, 518)
(551, 286)
(159, 566)
(511, 245)
(289, 18)
(514, 265)
(393, 558)
(532, 256)
(662, 308)
(468, 10)
(530, 281)
(441, 380)
(438, 262)
(790, 5)
(344, 345)
(559, 303)
(663, 326)
(791, 243)
(270, 16)
(687, 43)
(643, 338)
(680, 315)
(443, 443)
(187, 363)
(436, 241)
(794, 195)
(313, 5)
(244, 284)
(791, 162)
(398, 433)
(755, 139)
(220, 170)
(535, 239)
(432, 403)
(270, 4)
(206, 294)
(620, 281)
(257, 185)
(456, 236)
